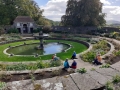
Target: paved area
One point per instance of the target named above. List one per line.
(76, 81)
(82, 64)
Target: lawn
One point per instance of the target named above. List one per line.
(75, 47)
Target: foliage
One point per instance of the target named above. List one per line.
(38, 65)
(117, 53)
(92, 69)
(47, 29)
(16, 67)
(102, 44)
(37, 87)
(82, 70)
(2, 85)
(115, 35)
(55, 63)
(83, 13)
(12, 30)
(100, 47)
(32, 77)
(109, 86)
(41, 64)
(37, 30)
(56, 73)
(105, 66)
(89, 56)
(10, 9)
(116, 79)
(2, 31)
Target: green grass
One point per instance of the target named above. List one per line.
(75, 47)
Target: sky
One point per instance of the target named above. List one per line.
(54, 9)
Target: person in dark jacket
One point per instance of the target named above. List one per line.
(74, 64)
(74, 55)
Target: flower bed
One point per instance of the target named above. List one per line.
(100, 47)
(37, 65)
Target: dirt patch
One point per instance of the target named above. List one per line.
(36, 76)
(112, 59)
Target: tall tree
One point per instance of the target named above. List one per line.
(83, 13)
(10, 9)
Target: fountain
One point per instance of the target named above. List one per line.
(38, 48)
(41, 40)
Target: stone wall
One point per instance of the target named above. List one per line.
(83, 30)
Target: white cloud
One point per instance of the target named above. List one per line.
(113, 12)
(105, 2)
(54, 9)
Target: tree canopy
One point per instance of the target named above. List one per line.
(83, 13)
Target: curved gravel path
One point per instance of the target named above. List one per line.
(87, 65)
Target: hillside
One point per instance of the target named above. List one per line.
(109, 22)
(53, 23)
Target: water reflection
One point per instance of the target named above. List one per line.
(50, 48)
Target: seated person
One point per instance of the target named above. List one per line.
(74, 64)
(66, 64)
(74, 55)
(55, 57)
(97, 60)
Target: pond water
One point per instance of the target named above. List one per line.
(50, 48)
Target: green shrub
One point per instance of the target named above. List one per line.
(56, 63)
(13, 30)
(117, 53)
(41, 64)
(37, 30)
(109, 86)
(17, 67)
(92, 69)
(89, 56)
(100, 47)
(116, 79)
(105, 66)
(2, 85)
(82, 70)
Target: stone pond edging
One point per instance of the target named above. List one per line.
(5, 51)
(83, 42)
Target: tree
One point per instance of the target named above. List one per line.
(83, 13)
(10, 9)
(2, 31)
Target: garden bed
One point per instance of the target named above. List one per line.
(33, 76)
(112, 59)
(101, 47)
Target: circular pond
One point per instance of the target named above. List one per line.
(29, 49)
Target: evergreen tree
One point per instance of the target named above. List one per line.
(83, 13)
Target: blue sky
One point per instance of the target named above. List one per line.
(41, 2)
(54, 9)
